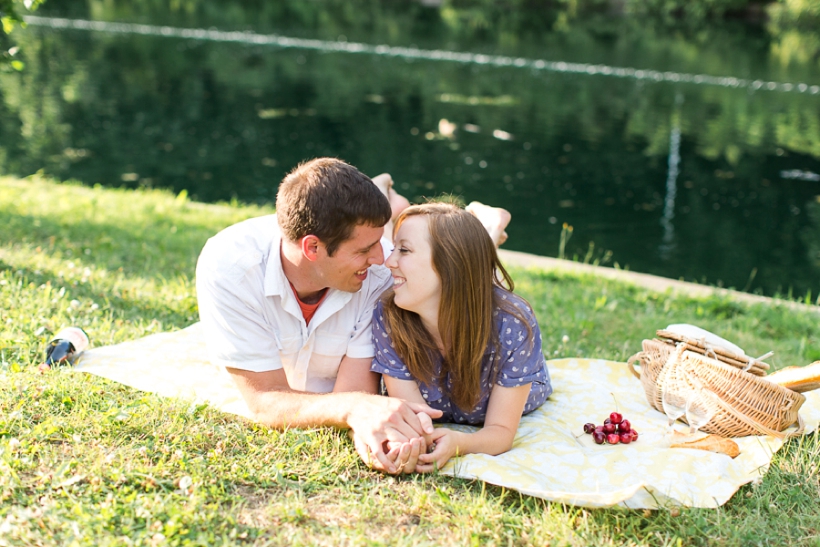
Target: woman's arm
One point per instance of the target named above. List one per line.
(496, 437)
(406, 390)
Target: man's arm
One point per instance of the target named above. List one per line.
(374, 419)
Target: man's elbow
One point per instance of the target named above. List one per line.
(265, 410)
(265, 396)
(269, 419)
(258, 415)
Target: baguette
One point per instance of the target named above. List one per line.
(799, 379)
(712, 443)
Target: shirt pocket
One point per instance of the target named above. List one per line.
(289, 345)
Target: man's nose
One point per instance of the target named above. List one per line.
(378, 255)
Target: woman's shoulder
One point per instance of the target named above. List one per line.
(507, 302)
(379, 315)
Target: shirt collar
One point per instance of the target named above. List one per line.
(277, 284)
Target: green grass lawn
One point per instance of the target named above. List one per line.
(84, 461)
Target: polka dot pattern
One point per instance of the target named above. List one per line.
(518, 359)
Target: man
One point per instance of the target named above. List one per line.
(287, 300)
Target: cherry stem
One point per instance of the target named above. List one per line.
(616, 402)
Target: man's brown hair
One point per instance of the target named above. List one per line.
(466, 261)
(328, 198)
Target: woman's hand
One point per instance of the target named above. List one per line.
(379, 422)
(404, 455)
(445, 446)
(496, 437)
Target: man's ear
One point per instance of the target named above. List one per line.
(310, 247)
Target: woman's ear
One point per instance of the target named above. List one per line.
(310, 247)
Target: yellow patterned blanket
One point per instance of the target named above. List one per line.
(551, 458)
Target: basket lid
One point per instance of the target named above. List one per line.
(741, 361)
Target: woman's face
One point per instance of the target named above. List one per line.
(416, 284)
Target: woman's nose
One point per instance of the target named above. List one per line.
(390, 261)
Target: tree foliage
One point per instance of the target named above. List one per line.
(11, 15)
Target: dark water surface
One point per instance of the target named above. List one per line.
(690, 155)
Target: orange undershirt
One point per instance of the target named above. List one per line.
(308, 310)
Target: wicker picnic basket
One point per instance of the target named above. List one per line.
(744, 403)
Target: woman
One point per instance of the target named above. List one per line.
(450, 335)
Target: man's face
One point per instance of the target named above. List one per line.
(346, 270)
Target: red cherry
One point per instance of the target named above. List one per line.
(589, 428)
(634, 435)
(624, 426)
(616, 417)
(609, 428)
(599, 429)
(613, 438)
(607, 421)
(626, 438)
(599, 437)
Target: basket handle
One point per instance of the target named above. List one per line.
(636, 357)
(801, 424)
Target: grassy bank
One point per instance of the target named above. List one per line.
(89, 462)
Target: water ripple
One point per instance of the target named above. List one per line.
(213, 35)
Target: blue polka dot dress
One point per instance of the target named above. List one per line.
(519, 361)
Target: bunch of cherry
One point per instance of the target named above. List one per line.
(615, 430)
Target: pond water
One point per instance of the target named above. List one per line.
(688, 154)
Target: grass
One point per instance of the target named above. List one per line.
(84, 461)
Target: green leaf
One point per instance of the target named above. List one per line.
(8, 24)
(443, 496)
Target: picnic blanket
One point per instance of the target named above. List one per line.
(551, 457)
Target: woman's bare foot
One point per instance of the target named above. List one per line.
(494, 219)
(398, 203)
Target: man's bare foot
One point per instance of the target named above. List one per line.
(494, 219)
(398, 203)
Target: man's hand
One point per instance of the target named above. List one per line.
(381, 425)
(375, 420)
(405, 456)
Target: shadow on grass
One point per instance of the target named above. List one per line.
(123, 303)
(148, 251)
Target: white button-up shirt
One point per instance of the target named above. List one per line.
(252, 318)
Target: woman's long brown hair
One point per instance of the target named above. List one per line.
(466, 261)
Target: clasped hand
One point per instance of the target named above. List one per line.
(390, 435)
(439, 446)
